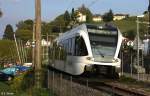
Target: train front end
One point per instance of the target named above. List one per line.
(105, 43)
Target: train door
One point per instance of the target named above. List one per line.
(79, 53)
(60, 56)
(57, 56)
(69, 60)
(52, 54)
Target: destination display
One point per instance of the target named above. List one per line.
(105, 32)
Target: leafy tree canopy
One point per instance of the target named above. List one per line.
(46, 28)
(1, 13)
(24, 34)
(8, 33)
(87, 12)
(27, 24)
(24, 30)
(59, 25)
(73, 15)
(108, 16)
(67, 18)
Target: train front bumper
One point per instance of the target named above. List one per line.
(115, 63)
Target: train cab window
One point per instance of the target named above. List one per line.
(80, 47)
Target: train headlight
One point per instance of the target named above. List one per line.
(115, 60)
(90, 58)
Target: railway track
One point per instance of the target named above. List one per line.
(109, 86)
(117, 90)
(113, 87)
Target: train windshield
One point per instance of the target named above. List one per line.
(103, 44)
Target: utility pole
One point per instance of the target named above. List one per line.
(33, 46)
(149, 18)
(138, 46)
(37, 43)
(131, 65)
(149, 26)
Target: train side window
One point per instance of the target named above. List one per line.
(73, 46)
(80, 47)
(66, 45)
(50, 55)
(62, 51)
(69, 46)
(54, 51)
(62, 54)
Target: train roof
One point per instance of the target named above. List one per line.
(84, 27)
(102, 27)
(71, 32)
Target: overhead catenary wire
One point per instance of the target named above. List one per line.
(70, 4)
(92, 3)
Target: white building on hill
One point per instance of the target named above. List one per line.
(120, 16)
(81, 17)
(97, 18)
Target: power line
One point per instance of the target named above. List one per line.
(92, 3)
(70, 4)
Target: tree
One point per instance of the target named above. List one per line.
(89, 16)
(27, 25)
(87, 12)
(24, 35)
(8, 34)
(82, 9)
(46, 28)
(74, 16)
(145, 12)
(67, 18)
(24, 30)
(58, 25)
(108, 16)
(130, 34)
(1, 13)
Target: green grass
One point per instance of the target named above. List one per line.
(4, 86)
(6, 89)
(134, 83)
(126, 25)
(127, 79)
(22, 85)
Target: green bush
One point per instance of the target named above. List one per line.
(24, 84)
(41, 92)
(127, 79)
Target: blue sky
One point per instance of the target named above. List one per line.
(17, 10)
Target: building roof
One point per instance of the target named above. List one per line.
(121, 14)
(97, 15)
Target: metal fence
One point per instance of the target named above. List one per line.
(131, 68)
(62, 86)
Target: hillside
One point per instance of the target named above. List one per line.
(128, 27)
